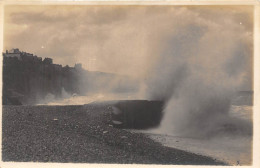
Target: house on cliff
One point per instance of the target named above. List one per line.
(34, 77)
(13, 53)
(78, 67)
(57, 67)
(22, 56)
(47, 61)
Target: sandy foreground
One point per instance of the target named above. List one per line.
(81, 134)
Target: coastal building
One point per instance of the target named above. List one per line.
(25, 57)
(57, 67)
(47, 61)
(13, 53)
(15, 50)
(22, 56)
(78, 66)
(37, 59)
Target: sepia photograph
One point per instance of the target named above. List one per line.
(128, 84)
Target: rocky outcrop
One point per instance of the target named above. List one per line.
(137, 114)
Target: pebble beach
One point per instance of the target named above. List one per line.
(82, 134)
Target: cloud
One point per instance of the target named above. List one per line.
(125, 39)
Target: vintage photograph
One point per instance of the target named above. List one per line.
(128, 84)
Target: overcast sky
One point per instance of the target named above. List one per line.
(127, 39)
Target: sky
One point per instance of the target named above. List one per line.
(130, 40)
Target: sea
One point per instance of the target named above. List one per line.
(233, 150)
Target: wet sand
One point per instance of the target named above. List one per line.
(81, 134)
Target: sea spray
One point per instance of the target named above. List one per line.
(197, 69)
(202, 112)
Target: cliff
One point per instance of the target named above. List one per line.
(27, 79)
